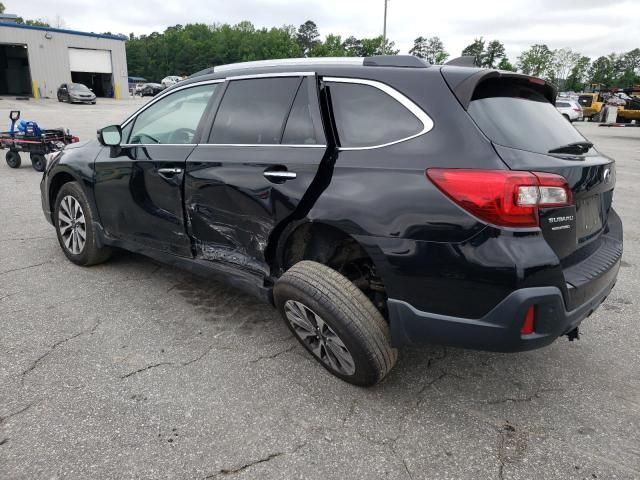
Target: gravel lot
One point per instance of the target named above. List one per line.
(132, 369)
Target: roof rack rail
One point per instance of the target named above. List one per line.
(464, 61)
(407, 61)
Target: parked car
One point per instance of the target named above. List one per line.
(570, 109)
(170, 81)
(376, 202)
(75, 93)
(151, 89)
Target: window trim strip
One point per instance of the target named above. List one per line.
(420, 114)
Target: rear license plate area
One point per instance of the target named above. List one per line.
(588, 216)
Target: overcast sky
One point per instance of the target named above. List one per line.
(592, 27)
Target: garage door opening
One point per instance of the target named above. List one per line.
(100, 83)
(93, 69)
(15, 77)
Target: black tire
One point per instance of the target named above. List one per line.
(13, 159)
(347, 311)
(38, 162)
(90, 254)
(59, 99)
(566, 117)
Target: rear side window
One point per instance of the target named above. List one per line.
(517, 115)
(254, 111)
(366, 116)
(304, 125)
(562, 105)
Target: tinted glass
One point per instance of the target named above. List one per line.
(304, 126)
(521, 117)
(562, 105)
(367, 116)
(173, 119)
(254, 111)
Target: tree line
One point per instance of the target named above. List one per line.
(184, 49)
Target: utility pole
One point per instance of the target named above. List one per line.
(384, 29)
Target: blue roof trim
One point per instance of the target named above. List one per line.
(60, 30)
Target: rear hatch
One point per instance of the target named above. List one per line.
(517, 114)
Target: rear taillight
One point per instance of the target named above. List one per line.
(577, 109)
(502, 197)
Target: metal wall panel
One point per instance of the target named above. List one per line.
(49, 56)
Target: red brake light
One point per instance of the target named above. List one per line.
(75, 139)
(502, 197)
(529, 322)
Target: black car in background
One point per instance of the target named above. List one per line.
(75, 93)
(151, 89)
(376, 202)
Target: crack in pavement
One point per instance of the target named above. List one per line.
(536, 394)
(274, 355)
(176, 364)
(24, 268)
(144, 369)
(17, 412)
(53, 347)
(232, 471)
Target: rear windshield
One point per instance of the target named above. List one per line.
(516, 115)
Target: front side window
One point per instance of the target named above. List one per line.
(367, 116)
(173, 119)
(253, 111)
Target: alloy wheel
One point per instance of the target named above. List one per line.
(319, 337)
(72, 225)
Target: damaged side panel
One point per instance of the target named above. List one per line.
(233, 208)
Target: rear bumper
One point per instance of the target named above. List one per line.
(498, 330)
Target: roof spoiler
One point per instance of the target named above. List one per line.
(463, 82)
(464, 61)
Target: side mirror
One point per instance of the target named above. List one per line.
(110, 136)
(14, 115)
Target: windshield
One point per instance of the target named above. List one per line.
(518, 116)
(78, 87)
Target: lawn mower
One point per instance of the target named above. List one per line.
(28, 137)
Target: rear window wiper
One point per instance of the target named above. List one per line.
(576, 148)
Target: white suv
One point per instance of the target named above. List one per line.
(569, 108)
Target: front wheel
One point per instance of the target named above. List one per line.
(73, 220)
(13, 159)
(336, 323)
(38, 162)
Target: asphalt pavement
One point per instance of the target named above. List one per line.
(133, 369)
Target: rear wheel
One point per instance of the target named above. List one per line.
(336, 323)
(38, 162)
(13, 159)
(566, 117)
(73, 220)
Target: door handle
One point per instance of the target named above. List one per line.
(280, 175)
(169, 172)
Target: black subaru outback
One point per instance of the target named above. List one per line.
(376, 202)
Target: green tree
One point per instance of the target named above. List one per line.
(495, 51)
(578, 75)
(602, 71)
(430, 49)
(505, 64)
(1, 7)
(353, 47)
(562, 65)
(331, 47)
(375, 46)
(307, 36)
(475, 50)
(535, 61)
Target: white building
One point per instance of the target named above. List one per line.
(36, 60)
